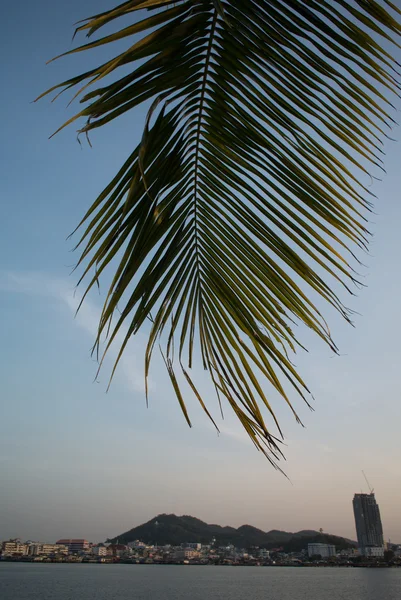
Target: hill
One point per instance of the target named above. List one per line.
(174, 530)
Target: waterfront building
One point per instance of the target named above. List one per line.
(14, 548)
(374, 551)
(186, 554)
(38, 549)
(99, 550)
(74, 546)
(324, 550)
(116, 550)
(368, 524)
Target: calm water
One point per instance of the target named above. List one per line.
(142, 582)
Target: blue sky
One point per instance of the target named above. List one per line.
(75, 461)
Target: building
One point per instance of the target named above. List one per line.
(323, 550)
(186, 554)
(349, 553)
(75, 546)
(116, 550)
(368, 524)
(137, 545)
(192, 545)
(374, 551)
(14, 548)
(99, 550)
(37, 549)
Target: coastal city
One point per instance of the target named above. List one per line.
(370, 550)
(138, 552)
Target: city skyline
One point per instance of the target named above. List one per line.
(367, 519)
(75, 461)
(187, 538)
(138, 552)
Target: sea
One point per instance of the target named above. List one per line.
(32, 581)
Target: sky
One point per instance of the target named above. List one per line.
(76, 461)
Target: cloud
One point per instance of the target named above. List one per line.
(41, 284)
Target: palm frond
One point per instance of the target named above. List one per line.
(244, 198)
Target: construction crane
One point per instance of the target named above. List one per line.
(371, 490)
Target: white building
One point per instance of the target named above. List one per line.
(324, 550)
(37, 549)
(99, 550)
(374, 551)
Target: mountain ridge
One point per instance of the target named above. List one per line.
(175, 530)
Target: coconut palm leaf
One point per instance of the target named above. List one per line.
(244, 200)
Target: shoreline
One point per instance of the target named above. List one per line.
(199, 564)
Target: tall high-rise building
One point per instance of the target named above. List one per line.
(368, 523)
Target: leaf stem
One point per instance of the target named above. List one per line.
(196, 168)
